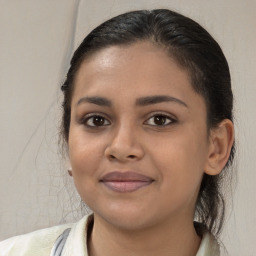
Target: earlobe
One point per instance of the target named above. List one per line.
(221, 141)
(69, 168)
(70, 172)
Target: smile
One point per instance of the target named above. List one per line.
(125, 182)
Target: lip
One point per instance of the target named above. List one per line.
(125, 182)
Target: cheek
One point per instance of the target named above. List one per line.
(180, 160)
(181, 148)
(84, 153)
(180, 178)
(85, 156)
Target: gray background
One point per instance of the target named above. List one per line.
(37, 38)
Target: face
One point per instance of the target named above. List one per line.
(138, 140)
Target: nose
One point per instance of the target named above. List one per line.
(124, 146)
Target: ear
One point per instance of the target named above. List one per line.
(220, 144)
(68, 166)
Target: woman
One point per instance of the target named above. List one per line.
(147, 118)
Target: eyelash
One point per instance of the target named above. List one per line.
(90, 117)
(162, 115)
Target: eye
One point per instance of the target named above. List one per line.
(96, 121)
(160, 120)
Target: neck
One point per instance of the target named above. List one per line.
(177, 238)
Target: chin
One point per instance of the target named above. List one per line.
(130, 223)
(127, 218)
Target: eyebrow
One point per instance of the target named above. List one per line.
(95, 100)
(144, 101)
(158, 99)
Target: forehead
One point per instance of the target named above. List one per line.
(133, 70)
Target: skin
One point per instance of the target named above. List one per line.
(156, 219)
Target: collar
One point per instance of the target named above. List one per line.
(76, 243)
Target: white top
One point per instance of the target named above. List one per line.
(40, 242)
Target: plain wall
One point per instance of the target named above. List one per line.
(36, 38)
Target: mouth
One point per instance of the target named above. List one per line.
(125, 182)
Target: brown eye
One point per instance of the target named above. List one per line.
(160, 120)
(96, 121)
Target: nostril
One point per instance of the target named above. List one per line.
(132, 156)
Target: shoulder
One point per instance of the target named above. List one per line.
(36, 243)
(209, 246)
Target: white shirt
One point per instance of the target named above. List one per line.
(40, 243)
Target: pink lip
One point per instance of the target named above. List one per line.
(125, 181)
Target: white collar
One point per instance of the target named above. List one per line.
(76, 243)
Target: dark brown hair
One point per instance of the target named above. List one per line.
(196, 51)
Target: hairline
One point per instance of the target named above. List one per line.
(178, 58)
